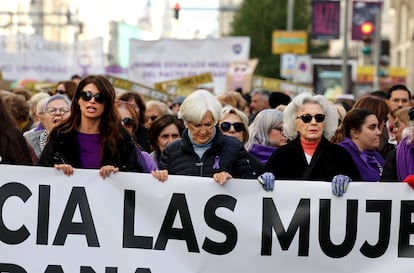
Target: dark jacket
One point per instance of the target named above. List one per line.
(385, 147)
(63, 148)
(141, 137)
(389, 174)
(289, 162)
(225, 154)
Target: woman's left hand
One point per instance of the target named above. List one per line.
(222, 177)
(106, 171)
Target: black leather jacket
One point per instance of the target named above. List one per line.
(63, 148)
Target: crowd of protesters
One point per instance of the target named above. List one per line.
(263, 135)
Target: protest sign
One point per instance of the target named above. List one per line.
(131, 222)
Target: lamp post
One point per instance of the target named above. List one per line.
(290, 12)
(377, 52)
(344, 68)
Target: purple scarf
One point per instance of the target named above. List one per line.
(262, 152)
(369, 163)
(405, 159)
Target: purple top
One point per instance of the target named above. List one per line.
(262, 152)
(89, 150)
(148, 162)
(405, 159)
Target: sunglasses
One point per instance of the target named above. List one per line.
(128, 122)
(225, 126)
(306, 118)
(87, 96)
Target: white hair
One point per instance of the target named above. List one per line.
(197, 104)
(292, 109)
(56, 97)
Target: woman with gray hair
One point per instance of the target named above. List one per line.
(55, 109)
(203, 150)
(266, 134)
(309, 121)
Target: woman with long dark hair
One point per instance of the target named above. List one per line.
(92, 137)
(361, 138)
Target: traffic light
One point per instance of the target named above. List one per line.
(177, 11)
(367, 29)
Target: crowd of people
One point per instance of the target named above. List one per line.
(262, 135)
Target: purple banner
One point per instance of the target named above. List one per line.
(363, 12)
(325, 20)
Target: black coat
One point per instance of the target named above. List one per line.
(389, 174)
(141, 137)
(289, 162)
(63, 148)
(225, 154)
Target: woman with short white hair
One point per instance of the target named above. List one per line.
(203, 150)
(309, 121)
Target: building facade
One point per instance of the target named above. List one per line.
(228, 9)
(402, 41)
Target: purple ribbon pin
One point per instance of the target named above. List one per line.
(216, 165)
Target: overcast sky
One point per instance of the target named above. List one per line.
(97, 13)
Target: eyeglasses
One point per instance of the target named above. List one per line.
(226, 126)
(87, 96)
(60, 91)
(280, 129)
(53, 110)
(128, 122)
(306, 118)
(123, 102)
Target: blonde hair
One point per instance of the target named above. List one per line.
(232, 98)
(228, 110)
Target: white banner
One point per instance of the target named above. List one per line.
(132, 223)
(157, 61)
(31, 57)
